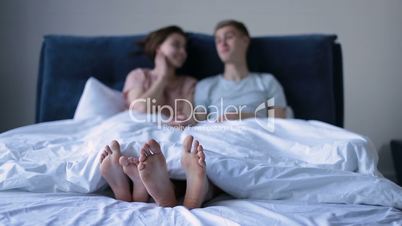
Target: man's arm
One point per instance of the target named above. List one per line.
(272, 112)
(235, 116)
(276, 112)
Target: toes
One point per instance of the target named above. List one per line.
(123, 161)
(104, 152)
(154, 147)
(102, 157)
(201, 156)
(133, 160)
(136, 160)
(188, 141)
(149, 152)
(115, 146)
(108, 150)
(195, 146)
(143, 155)
(201, 162)
(200, 152)
(141, 166)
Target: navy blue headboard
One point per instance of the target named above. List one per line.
(309, 68)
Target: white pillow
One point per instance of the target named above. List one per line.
(99, 100)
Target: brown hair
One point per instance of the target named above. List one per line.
(234, 23)
(156, 38)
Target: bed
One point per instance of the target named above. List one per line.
(305, 171)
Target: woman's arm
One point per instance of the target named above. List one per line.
(185, 116)
(137, 97)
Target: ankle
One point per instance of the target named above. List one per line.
(140, 198)
(123, 197)
(192, 204)
(167, 203)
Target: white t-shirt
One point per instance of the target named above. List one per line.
(219, 95)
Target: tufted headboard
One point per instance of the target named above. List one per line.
(309, 67)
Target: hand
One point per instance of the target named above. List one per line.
(228, 117)
(235, 116)
(162, 63)
(277, 112)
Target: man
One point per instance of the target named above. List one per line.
(237, 93)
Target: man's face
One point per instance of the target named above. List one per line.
(231, 44)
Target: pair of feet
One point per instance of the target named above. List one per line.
(149, 174)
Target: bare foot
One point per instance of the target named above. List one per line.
(113, 173)
(153, 172)
(130, 165)
(193, 162)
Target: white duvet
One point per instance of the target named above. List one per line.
(301, 161)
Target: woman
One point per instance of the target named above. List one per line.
(160, 85)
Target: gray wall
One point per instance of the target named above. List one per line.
(370, 32)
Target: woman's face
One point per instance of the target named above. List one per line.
(174, 48)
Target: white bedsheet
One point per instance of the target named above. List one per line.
(23, 208)
(301, 161)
